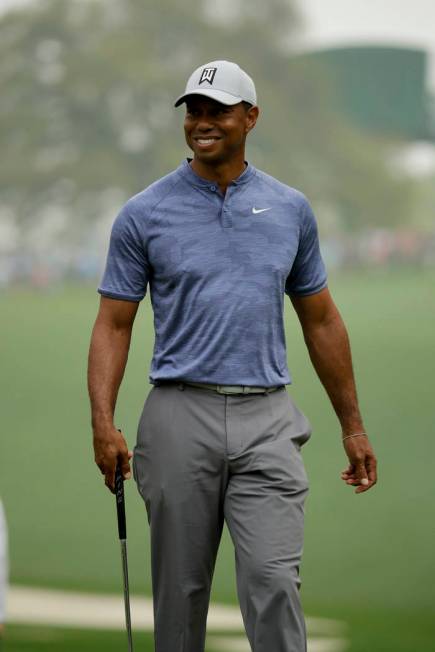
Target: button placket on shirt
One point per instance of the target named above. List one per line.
(226, 214)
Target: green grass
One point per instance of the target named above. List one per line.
(368, 559)
(368, 631)
(387, 629)
(44, 639)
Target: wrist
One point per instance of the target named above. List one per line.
(346, 432)
(354, 434)
(350, 426)
(102, 426)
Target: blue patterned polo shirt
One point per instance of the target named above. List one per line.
(218, 268)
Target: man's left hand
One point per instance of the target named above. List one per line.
(361, 471)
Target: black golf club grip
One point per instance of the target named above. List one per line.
(120, 504)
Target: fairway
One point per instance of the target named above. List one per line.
(40, 639)
(368, 559)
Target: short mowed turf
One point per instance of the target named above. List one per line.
(41, 639)
(368, 558)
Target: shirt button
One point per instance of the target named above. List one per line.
(213, 188)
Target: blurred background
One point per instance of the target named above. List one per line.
(347, 99)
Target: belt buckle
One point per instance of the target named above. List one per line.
(235, 389)
(224, 389)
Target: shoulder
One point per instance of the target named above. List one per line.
(292, 202)
(279, 190)
(143, 203)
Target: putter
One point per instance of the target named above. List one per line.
(122, 531)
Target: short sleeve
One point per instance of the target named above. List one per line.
(308, 273)
(127, 269)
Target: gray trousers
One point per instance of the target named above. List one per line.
(202, 458)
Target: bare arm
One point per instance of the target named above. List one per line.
(328, 345)
(108, 355)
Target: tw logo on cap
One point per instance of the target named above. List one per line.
(207, 75)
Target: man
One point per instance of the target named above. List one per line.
(219, 244)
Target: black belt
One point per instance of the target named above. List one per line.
(222, 389)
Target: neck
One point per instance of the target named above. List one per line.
(222, 173)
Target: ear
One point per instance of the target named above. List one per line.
(251, 118)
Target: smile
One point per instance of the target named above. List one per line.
(206, 141)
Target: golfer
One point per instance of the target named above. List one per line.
(220, 243)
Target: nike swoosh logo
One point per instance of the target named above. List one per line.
(260, 210)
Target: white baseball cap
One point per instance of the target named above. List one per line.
(223, 81)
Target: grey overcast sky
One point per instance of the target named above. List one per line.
(334, 22)
(408, 22)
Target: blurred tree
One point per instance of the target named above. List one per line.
(87, 115)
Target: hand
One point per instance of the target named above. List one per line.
(110, 450)
(361, 471)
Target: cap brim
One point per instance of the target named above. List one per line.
(218, 96)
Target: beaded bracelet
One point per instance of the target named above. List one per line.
(358, 434)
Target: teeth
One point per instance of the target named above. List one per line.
(206, 141)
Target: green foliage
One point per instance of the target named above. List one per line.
(88, 119)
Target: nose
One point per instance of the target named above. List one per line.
(204, 124)
(204, 121)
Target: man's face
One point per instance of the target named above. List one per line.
(216, 132)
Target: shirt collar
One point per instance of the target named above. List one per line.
(186, 171)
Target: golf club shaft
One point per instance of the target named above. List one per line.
(126, 593)
(122, 531)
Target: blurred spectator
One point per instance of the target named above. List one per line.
(379, 247)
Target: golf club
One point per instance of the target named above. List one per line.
(122, 531)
